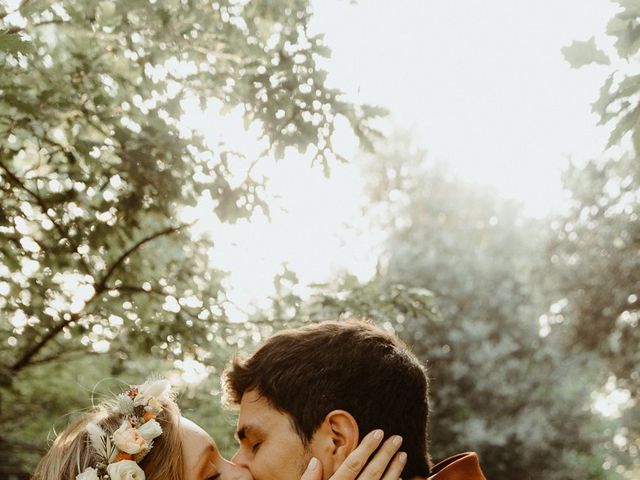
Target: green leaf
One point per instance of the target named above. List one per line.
(323, 51)
(372, 111)
(631, 8)
(635, 137)
(604, 99)
(624, 26)
(626, 124)
(581, 53)
(13, 43)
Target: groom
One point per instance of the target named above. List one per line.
(317, 390)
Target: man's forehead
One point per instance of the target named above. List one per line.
(258, 416)
(255, 411)
(252, 402)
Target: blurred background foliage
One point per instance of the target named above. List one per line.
(525, 324)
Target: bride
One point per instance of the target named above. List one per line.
(141, 435)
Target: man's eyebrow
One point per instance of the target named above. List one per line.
(247, 430)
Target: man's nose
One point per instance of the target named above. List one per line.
(232, 471)
(238, 458)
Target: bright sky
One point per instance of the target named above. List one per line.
(481, 82)
(483, 86)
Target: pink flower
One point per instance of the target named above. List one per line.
(128, 439)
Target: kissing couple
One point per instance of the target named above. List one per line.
(331, 401)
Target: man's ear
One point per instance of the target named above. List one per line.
(338, 437)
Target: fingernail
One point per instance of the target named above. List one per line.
(403, 457)
(313, 464)
(378, 434)
(397, 440)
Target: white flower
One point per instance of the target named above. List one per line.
(125, 470)
(88, 474)
(128, 439)
(124, 404)
(150, 430)
(159, 389)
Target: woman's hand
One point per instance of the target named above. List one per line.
(386, 464)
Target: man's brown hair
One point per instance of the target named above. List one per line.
(353, 366)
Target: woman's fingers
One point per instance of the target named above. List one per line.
(385, 459)
(358, 465)
(355, 462)
(394, 471)
(386, 464)
(313, 471)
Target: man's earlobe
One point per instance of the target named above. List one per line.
(344, 434)
(335, 439)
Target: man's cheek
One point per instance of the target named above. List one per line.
(258, 469)
(272, 468)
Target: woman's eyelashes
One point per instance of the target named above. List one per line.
(255, 447)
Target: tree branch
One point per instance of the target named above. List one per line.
(49, 22)
(134, 289)
(26, 357)
(102, 285)
(66, 355)
(45, 209)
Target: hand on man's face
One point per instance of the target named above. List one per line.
(271, 449)
(269, 446)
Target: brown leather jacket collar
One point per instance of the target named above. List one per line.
(464, 466)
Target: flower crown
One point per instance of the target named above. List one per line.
(120, 452)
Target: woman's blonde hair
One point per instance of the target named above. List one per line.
(72, 452)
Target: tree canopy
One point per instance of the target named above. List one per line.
(96, 168)
(498, 382)
(523, 323)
